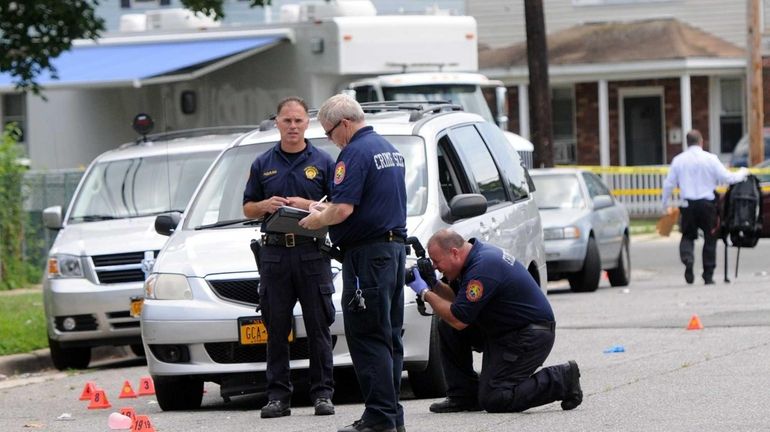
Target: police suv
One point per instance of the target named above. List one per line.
(106, 243)
(199, 306)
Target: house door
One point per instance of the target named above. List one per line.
(643, 130)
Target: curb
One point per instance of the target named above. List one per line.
(40, 360)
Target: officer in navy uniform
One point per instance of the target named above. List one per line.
(492, 303)
(367, 219)
(293, 173)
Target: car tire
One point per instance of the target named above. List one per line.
(69, 358)
(138, 350)
(621, 275)
(177, 393)
(430, 382)
(587, 279)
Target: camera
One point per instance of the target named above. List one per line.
(425, 267)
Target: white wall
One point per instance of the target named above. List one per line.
(501, 22)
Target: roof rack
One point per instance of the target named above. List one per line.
(192, 133)
(417, 108)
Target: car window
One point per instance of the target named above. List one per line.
(557, 191)
(479, 163)
(508, 158)
(595, 185)
(141, 186)
(366, 93)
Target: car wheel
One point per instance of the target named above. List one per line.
(430, 383)
(138, 350)
(69, 358)
(178, 392)
(621, 275)
(587, 279)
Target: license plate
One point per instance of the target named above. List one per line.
(136, 306)
(252, 331)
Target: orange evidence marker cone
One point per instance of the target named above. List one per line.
(126, 391)
(146, 386)
(129, 412)
(695, 323)
(88, 390)
(142, 424)
(99, 400)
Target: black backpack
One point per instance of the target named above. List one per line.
(743, 213)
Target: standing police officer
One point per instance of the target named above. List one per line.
(495, 302)
(367, 219)
(293, 173)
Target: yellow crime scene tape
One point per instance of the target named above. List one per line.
(652, 170)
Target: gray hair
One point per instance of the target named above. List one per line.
(338, 107)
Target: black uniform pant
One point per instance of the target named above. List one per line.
(374, 334)
(699, 215)
(507, 383)
(288, 274)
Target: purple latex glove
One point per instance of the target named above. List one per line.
(419, 286)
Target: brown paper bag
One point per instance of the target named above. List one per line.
(666, 222)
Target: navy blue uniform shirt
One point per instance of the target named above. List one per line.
(273, 174)
(497, 293)
(369, 175)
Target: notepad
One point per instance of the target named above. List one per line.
(286, 220)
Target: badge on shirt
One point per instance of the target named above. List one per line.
(311, 172)
(339, 172)
(474, 291)
(269, 173)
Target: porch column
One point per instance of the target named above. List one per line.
(684, 87)
(604, 124)
(524, 110)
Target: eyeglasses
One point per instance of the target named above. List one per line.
(331, 131)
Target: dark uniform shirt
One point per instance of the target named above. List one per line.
(369, 175)
(308, 175)
(497, 293)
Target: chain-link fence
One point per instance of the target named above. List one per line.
(44, 189)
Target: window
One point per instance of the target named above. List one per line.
(563, 118)
(731, 112)
(510, 162)
(366, 93)
(128, 4)
(14, 111)
(479, 164)
(595, 185)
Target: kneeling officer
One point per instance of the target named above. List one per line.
(492, 298)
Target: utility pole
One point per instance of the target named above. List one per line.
(539, 89)
(754, 83)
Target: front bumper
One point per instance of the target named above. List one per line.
(101, 312)
(564, 256)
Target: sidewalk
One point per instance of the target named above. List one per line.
(40, 360)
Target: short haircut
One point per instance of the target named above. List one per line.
(338, 107)
(296, 99)
(694, 137)
(446, 239)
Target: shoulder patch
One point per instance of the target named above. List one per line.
(474, 290)
(339, 172)
(311, 172)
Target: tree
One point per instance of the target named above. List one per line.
(33, 33)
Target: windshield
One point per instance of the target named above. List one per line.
(139, 187)
(219, 204)
(557, 192)
(467, 95)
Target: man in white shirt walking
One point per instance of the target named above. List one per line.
(698, 173)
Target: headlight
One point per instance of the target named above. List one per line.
(167, 286)
(65, 266)
(569, 232)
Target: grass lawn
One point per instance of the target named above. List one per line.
(22, 321)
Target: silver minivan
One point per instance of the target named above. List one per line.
(461, 172)
(106, 243)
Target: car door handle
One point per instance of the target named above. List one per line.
(495, 226)
(484, 231)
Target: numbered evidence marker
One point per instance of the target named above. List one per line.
(142, 424)
(99, 400)
(146, 386)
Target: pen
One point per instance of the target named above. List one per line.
(322, 199)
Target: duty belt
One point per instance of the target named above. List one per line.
(285, 240)
(390, 236)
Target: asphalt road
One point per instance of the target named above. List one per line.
(668, 378)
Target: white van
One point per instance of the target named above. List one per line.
(461, 172)
(106, 243)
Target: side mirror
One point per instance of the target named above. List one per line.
(464, 206)
(603, 201)
(52, 218)
(166, 223)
